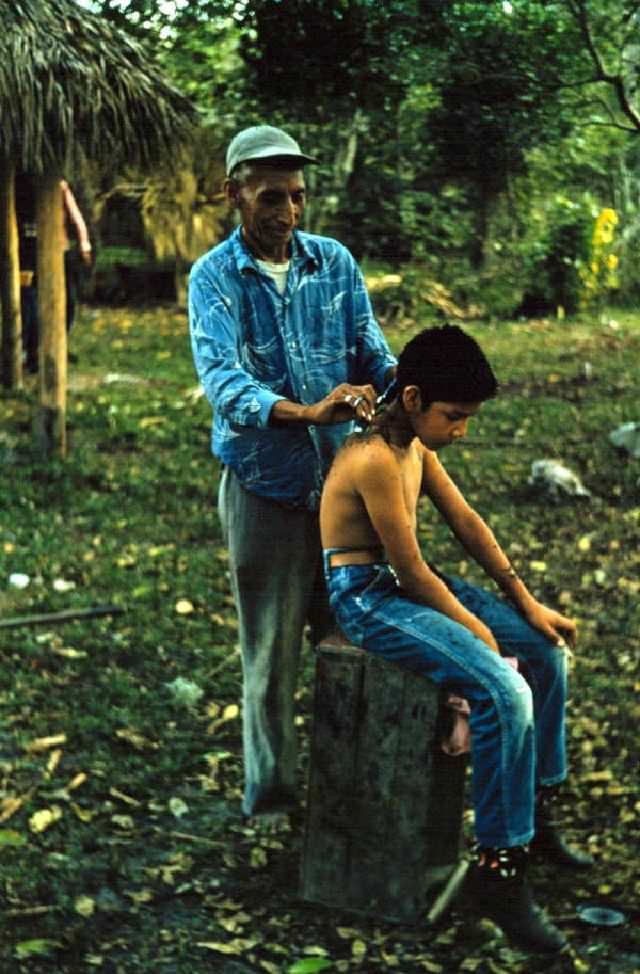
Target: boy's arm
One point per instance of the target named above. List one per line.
(478, 539)
(378, 482)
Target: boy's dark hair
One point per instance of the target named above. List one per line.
(447, 365)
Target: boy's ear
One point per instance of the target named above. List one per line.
(412, 399)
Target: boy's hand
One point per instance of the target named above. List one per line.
(556, 627)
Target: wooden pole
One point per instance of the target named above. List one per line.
(11, 367)
(50, 427)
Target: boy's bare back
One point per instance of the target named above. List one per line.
(367, 476)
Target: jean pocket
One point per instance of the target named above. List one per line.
(382, 583)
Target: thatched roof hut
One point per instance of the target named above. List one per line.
(71, 84)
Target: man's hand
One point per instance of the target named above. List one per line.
(557, 628)
(343, 403)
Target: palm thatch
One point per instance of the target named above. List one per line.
(70, 82)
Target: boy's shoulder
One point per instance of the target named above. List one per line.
(370, 452)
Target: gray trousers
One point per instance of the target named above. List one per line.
(275, 566)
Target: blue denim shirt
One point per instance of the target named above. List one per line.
(253, 346)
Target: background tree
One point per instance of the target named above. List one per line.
(434, 123)
(71, 84)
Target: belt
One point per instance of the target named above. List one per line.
(358, 556)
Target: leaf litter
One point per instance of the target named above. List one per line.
(110, 863)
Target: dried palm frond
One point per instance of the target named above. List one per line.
(71, 82)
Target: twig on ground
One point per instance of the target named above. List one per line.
(65, 616)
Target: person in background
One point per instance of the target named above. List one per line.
(77, 259)
(289, 354)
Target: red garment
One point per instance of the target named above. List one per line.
(459, 740)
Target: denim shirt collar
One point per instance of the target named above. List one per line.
(245, 262)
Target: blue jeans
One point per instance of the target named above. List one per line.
(275, 567)
(517, 725)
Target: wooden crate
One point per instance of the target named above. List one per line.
(384, 808)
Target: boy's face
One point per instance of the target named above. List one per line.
(443, 423)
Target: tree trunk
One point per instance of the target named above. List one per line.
(384, 803)
(50, 428)
(319, 212)
(10, 281)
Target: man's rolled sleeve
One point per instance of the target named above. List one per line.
(232, 391)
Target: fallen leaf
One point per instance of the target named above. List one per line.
(358, 948)
(124, 798)
(258, 857)
(310, 965)
(136, 740)
(54, 761)
(85, 906)
(140, 896)
(44, 743)
(237, 946)
(122, 821)
(79, 779)
(35, 948)
(606, 775)
(178, 807)
(10, 806)
(68, 652)
(40, 821)
(84, 814)
(9, 838)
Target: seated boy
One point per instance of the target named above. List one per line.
(389, 601)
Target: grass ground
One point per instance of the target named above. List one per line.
(121, 845)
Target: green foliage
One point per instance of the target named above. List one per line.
(554, 250)
(352, 52)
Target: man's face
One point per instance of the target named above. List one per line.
(443, 423)
(270, 204)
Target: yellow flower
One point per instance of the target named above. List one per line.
(612, 261)
(604, 227)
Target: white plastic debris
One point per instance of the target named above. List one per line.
(63, 585)
(18, 580)
(554, 479)
(627, 436)
(185, 692)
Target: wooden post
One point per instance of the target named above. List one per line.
(50, 427)
(385, 803)
(10, 281)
